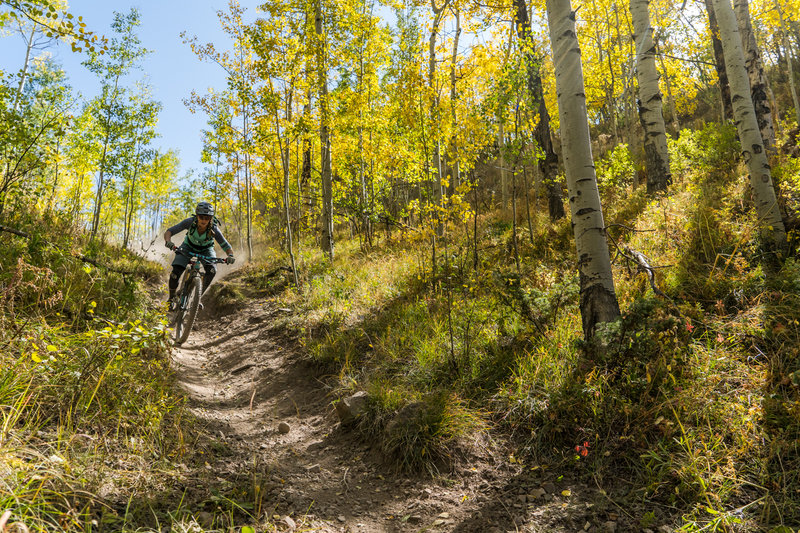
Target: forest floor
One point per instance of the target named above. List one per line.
(268, 432)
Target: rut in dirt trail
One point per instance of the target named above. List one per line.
(271, 428)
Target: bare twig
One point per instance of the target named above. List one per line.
(637, 257)
(389, 220)
(644, 266)
(634, 230)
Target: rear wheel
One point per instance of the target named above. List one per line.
(185, 317)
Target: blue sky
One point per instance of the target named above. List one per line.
(172, 70)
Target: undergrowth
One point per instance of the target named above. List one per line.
(86, 404)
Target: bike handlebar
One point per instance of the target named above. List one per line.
(201, 257)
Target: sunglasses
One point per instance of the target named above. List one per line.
(204, 217)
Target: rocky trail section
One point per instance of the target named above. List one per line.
(273, 443)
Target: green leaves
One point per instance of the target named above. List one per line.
(51, 19)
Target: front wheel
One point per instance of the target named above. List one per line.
(186, 314)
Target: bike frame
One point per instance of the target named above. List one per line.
(183, 309)
(192, 271)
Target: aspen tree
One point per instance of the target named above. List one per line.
(324, 133)
(549, 163)
(453, 99)
(242, 80)
(719, 62)
(598, 300)
(124, 54)
(501, 137)
(759, 85)
(438, 15)
(650, 101)
(35, 38)
(790, 68)
(772, 228)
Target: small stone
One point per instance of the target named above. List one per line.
(444, 516)
(549, 488)
(341, 518)
(610, 527)
(242, 368)
(284, 428)
(438, 522)
(586, 526)
(536, 494)
(205, 519)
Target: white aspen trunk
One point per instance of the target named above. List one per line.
(361, 165)
(98, 201)
(501, 134)
(438, 13)
(24, 76)
(501, 138)
(129, 201)
(598, 302)
(248, 176)
(759, 85)
(365, 219)
(650, 101)
(670, 98)
(772, 228)
(453, 96)
(101, 182)
(248, 185)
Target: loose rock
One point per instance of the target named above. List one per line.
(289, 521)
(349, 409)
(284, 428)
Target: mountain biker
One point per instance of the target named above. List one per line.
(200, 237)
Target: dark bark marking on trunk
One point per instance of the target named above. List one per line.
(598, 305)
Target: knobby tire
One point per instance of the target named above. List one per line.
(186, 317)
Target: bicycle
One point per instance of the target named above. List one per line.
(189, 293)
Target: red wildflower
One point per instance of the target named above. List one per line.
(583, 451)
(689, 326)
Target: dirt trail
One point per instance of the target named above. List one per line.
(244, 380)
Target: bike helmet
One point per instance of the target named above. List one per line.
(204, 208)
